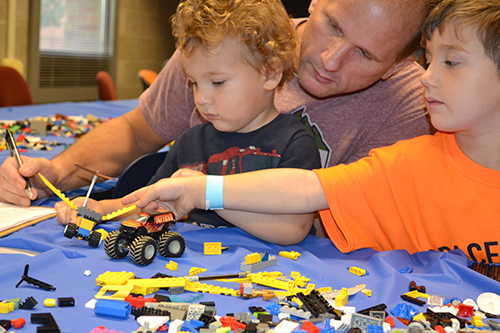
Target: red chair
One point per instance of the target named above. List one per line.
(14, 89)
(147, 77)
(107, 90)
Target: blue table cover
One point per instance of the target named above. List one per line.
(62, 262)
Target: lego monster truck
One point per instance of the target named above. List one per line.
(143, 235)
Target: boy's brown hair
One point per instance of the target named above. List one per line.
(262, 25)
(480, 15)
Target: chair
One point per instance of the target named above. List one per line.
(107, 90)
(147, 77)
(138, 174)
(14, 89)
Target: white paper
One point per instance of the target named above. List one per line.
(11, 215)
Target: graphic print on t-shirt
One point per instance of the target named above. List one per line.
(237, 160)
(323, 147)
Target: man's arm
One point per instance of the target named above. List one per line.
(109, 148)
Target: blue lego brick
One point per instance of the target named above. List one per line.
(115, 309)
(84, 232)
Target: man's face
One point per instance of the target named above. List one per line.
(347, 45)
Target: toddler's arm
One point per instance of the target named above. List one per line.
(65, 214)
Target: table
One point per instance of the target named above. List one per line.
(100, 109)
(62, 262)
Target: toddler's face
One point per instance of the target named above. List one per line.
(229, 93)
(462, 85)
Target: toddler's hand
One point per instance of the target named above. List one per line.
(65, 214)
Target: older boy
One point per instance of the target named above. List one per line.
(429, 193)
(235, 55)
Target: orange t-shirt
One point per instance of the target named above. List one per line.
(419, 194)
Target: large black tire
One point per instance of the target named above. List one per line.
(95, 239)
(143, 250)
(115, 245)
(171, 245)
(71, 230)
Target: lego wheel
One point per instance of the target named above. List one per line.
(71, 230)
(171, 245)
(95, 239)
(114, 245)
(143, 250)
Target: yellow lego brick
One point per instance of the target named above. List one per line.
(6, 307)
(300, 280)
(342, 298)
(119, 291)
(85, 224)
(324, 290)
(149, 286)
(252, 258)
(211, 289)
(367, 292)
(290, 254)
(58, 192)
(265, 280)
(103, 233)
(172, 265)
(357, 271)
(418, 317)
(114, 278)
(118, 212)
(212, 248)
(477, 321)
(196, 270)
(49, 302)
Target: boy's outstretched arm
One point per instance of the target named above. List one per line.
(271, 191)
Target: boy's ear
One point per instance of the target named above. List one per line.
(396, 67)
(274, 73)
(312, 5)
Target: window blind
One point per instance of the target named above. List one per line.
(76, 41)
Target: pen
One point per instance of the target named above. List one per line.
(11, 143)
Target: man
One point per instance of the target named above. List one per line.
(357, 87)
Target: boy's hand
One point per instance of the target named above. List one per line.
(180, 195)
(65, 214)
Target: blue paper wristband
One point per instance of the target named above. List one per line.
(214, 197)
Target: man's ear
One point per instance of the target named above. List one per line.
(274, 73)
(396, 67)
(312, 5)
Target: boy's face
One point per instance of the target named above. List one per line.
(462, 85)
(229, 93)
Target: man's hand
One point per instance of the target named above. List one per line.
(13, 185)
(180, 195)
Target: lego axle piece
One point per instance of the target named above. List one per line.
(33, 281)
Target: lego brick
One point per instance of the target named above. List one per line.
(65, 301)
(49, 325)
(260, 265)
(362, 321)
(111, 308)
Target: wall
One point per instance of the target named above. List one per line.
(22, 19)
(143, 39)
